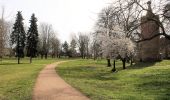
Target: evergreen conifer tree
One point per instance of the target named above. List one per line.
(18, 36)
(32, 38)
(66, 49)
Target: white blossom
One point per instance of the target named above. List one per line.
(116, 45)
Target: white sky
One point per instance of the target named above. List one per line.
(66, 16)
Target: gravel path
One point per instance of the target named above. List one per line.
(50, 86)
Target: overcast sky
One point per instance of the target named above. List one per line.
(66, 16)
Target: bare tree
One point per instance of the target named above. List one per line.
(129, 14)
(96, 49)
(2, 34)
(7, 45)
(73, 45)
(83, 45)
(55, 46)
(1, 41)
(5, 31)
(123, 17)
(46, 32)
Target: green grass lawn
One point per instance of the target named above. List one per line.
(17, 80)
(143, 81)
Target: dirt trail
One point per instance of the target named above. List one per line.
(50, 86)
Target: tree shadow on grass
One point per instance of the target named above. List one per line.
(105, 76)
(8, 63)
(140, 65)
(160, 89)
(89, 72)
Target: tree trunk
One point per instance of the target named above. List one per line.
(166, 52)
(82, 56)
(18, 60)
(46, 56)
(114, 66)
(124, 63)
(94, 58)
(108, 63)
(0, 58)
(41, 56)
(131, 61)
(30, 59)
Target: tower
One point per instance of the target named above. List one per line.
(149, 50)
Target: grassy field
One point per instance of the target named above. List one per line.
(17, 81)
(143, 81)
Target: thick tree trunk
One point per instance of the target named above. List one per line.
(131, 62)
(82, 56)
(18, 60)
(124, 63)
(114, 66)
(108, 63)
(41, 56)
(46, 56)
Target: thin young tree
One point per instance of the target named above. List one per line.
(83, 43)
(18, 36)
(32, 38)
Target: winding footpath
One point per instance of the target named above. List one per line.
(50, 86)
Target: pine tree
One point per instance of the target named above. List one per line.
(32, 38)
(18, 36)
(66, 48)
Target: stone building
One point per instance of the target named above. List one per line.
(149, 50)
(164, 48)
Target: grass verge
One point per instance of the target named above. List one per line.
(17, 80)
(143, 81)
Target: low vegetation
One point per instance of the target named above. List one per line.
(142, 81)
(17, 80)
